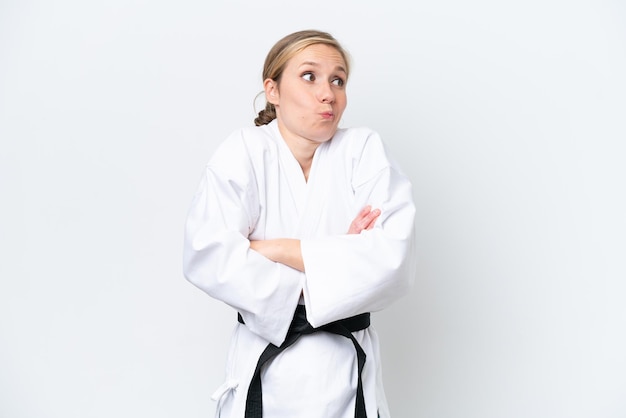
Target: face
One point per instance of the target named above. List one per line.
(310, 96)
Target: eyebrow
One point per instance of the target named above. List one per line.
(315, 64)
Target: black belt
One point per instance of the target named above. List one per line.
(300, 326)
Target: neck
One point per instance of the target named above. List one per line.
(302, 149)
(304, 156)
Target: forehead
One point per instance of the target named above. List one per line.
(318, 54)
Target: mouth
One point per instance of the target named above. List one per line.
(327, 115)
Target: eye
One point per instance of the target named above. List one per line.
(338, 82)
(308, 76)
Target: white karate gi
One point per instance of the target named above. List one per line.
(254, 189)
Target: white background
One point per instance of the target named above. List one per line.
(509, 117)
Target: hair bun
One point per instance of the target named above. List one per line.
(266, 115)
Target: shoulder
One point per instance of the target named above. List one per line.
(235, 158)
(241, 143)
(360, 142)
(242, 147)
(356, 135)
(368, 153)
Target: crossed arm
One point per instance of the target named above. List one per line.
(287, 250)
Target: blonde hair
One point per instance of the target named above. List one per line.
(283, 51)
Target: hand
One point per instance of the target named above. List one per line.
(364, 221)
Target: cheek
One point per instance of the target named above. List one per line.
(342, 103)
(341, 98)
(297, 102)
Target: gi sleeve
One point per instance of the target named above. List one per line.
(350, 274)
(217, 257)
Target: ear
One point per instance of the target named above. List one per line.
(271, 91)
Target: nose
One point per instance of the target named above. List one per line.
(326, 93)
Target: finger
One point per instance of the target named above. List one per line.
(364, 212)
(368, 221)
(372, 217)
(363, 219)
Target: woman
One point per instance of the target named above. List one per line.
(296, 215)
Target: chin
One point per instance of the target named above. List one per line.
(325, 135)
(323, 138)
